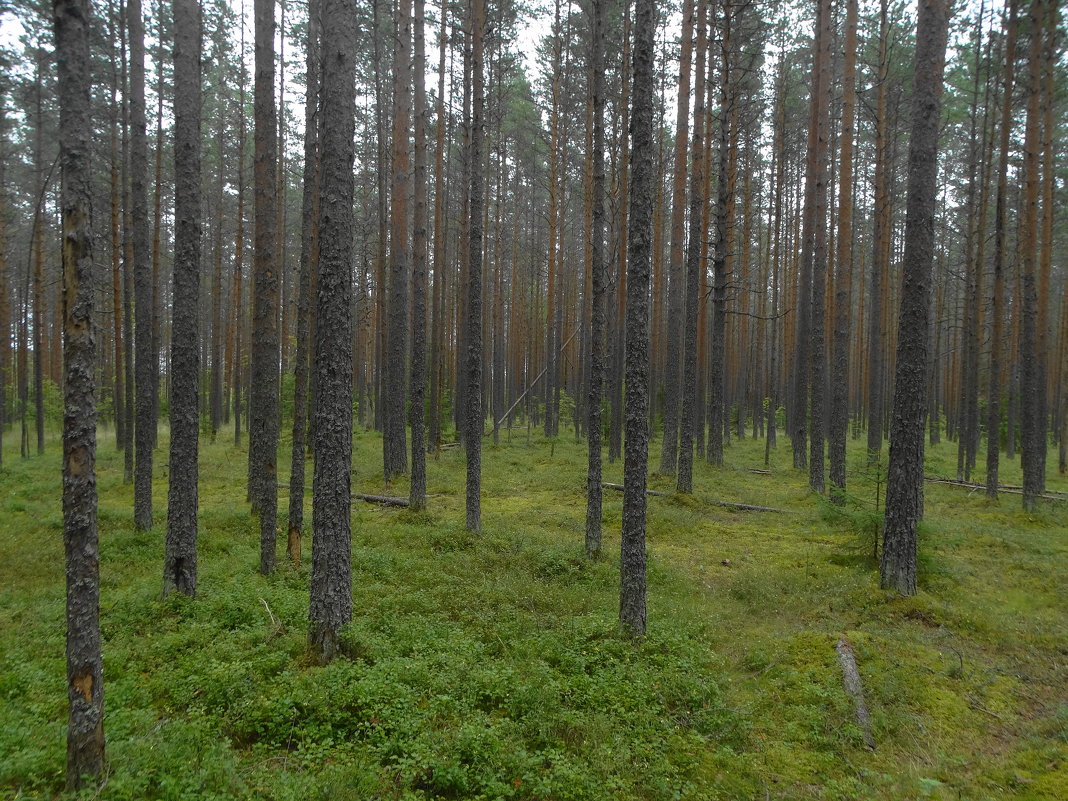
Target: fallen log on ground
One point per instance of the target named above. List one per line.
(1009, 489)
(382, 500)
(855, 690)
(745, 507)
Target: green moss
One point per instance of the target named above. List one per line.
(491, 665)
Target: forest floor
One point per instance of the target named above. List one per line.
(491, 666)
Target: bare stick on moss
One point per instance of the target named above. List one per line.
(851, 678)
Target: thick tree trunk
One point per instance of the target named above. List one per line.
(126, 245)
(552, 328)
(993, 428)
(142, 267)
(599, 284)
(720, 248)
(216, 342)
(690, 414)
(905, 473)
(239, 313)
(473, 421)
(677, 268)
(440, 192)
(1032, 357)
(309, 246)
(116, 247)
(157, 226)
(821, 163)
(180, 561)
(839, 419)
(331, 582)
(615, 437)
(417, 492)
(394, 454)
(85, 687)
(879, 265)
(263, 430)
(632, 604)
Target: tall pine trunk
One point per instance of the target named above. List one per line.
(904, 484)
(263, 430)
(839, 418)
(180, 560)
(85, 687)
(309, 246)
(632, 602)
(821, 163)
(142, 266)
(331, 581)
(689, 415)
(677, 268)
(1032, 371)
(993, 428)
(417, 492)
(880, 245)
(473, 357)
(394, 454)
(599, 285)
(440, 191)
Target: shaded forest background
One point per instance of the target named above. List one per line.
(753, 104)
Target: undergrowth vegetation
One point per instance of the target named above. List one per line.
(486, 666)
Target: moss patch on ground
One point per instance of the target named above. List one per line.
(490, 665)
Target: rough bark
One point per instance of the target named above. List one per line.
(473, 356)
(677, 267)
(309, 245)
(127, 265)
(821, 164)
(969, 379)
(632, 603)
(394, 456)
(905, 473)
(615, 437)
(38, 260)
(720, 237)
(599, 284)
(417, 384)
(331, 582)
(689, 415)
(157, 225)
(119, 395)
(180, 560)
(263, 414)
(993, 428)
(142, 267)
(436, 355)
(552, 329)
(839, 418)
(1032, 372)
(85, 686)
(239, 315)
(879, 266)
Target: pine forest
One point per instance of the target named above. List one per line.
(533, 399)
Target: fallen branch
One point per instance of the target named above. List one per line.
(383, 500)
(619, 487)
(745, 507)
(530, 386)
(855, 690)
(1009, 489)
